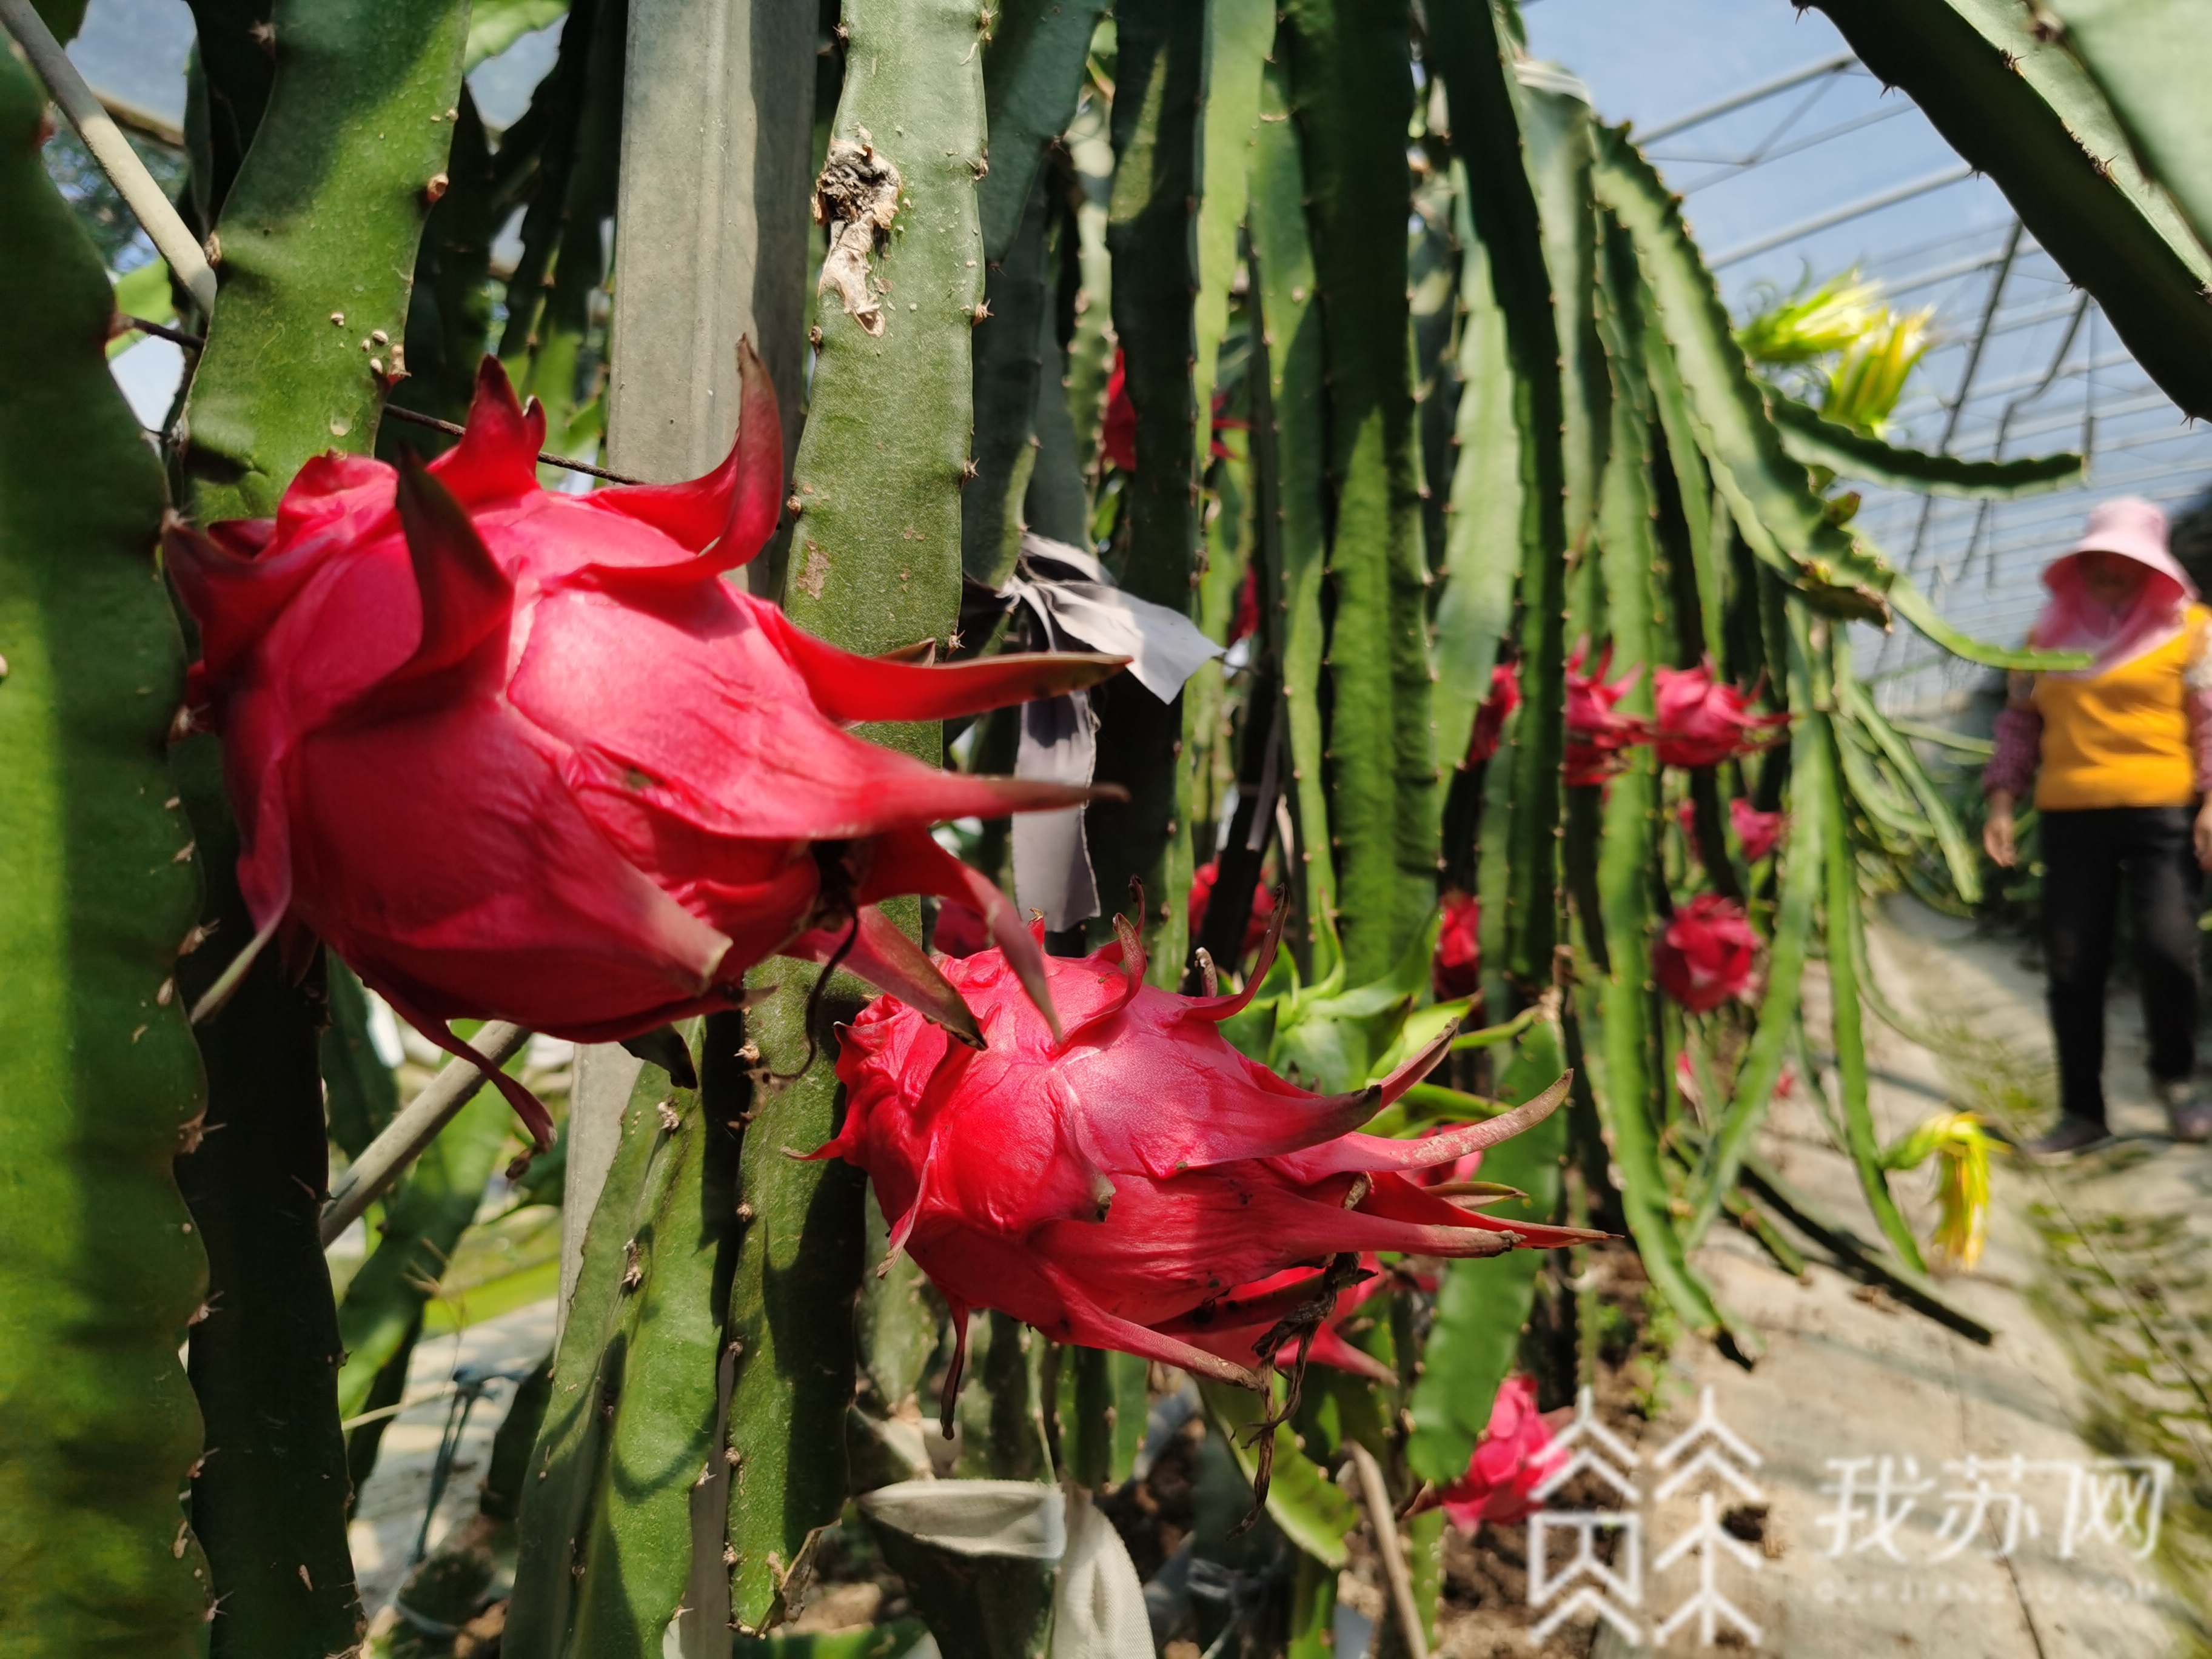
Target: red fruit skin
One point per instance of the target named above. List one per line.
(1457, 970)
(1705, 956)
(1510, 1462)
(1256, 920)
(525, 756)
(1596, 735)
(1118, 430)
(960, 931)
(1702, 721)
(1247, 600)
(1114, 1188)
(1758, 832)
(1496, 709)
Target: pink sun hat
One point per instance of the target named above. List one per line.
(2131, 527)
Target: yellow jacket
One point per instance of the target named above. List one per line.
(2125, 737)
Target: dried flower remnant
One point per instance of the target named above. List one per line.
(856, 198)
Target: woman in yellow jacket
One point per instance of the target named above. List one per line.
(2120, 754)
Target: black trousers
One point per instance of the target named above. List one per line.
(2085, 854)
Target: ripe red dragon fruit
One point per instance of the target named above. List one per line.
(1705, 956)
(1704, 721)
(1596, 733)
(1139, 1184)
(1456, 972)
(1511, 1460)
(525, 755)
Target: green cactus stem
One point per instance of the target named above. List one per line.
(227, 88)
(1691, 529)
(1002, 1410)
(1010, 338)
(101, 1264)
(1804, 879)
(902, 1319)
(318, 240)
(271, 1507)
(1289, 449)
(874, 565)
(1091, 345)
(1629, 1076)
(1158, 112)
(1433, 264)
(1481, 551)
(1557, 129)
(653, 1546)
(1102, 1411)
(362, 1093)
(1238, 34)
(1520, 878)
(885, 454)
(1352, 89)
(1846, 950)
(319, 235)
(797, 1275)
(1033, 73)
(1856, 714)
(449, 314)
(1058, 501)
(606, 1523)
(1818, 441)
(1781, 518)
(2006, 90)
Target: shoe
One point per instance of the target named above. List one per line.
(2069, 1134)
(2187, 1112)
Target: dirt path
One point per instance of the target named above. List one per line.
(388, 1516)
(2099, 1311)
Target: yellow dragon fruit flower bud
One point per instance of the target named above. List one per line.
(1961, 1144)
